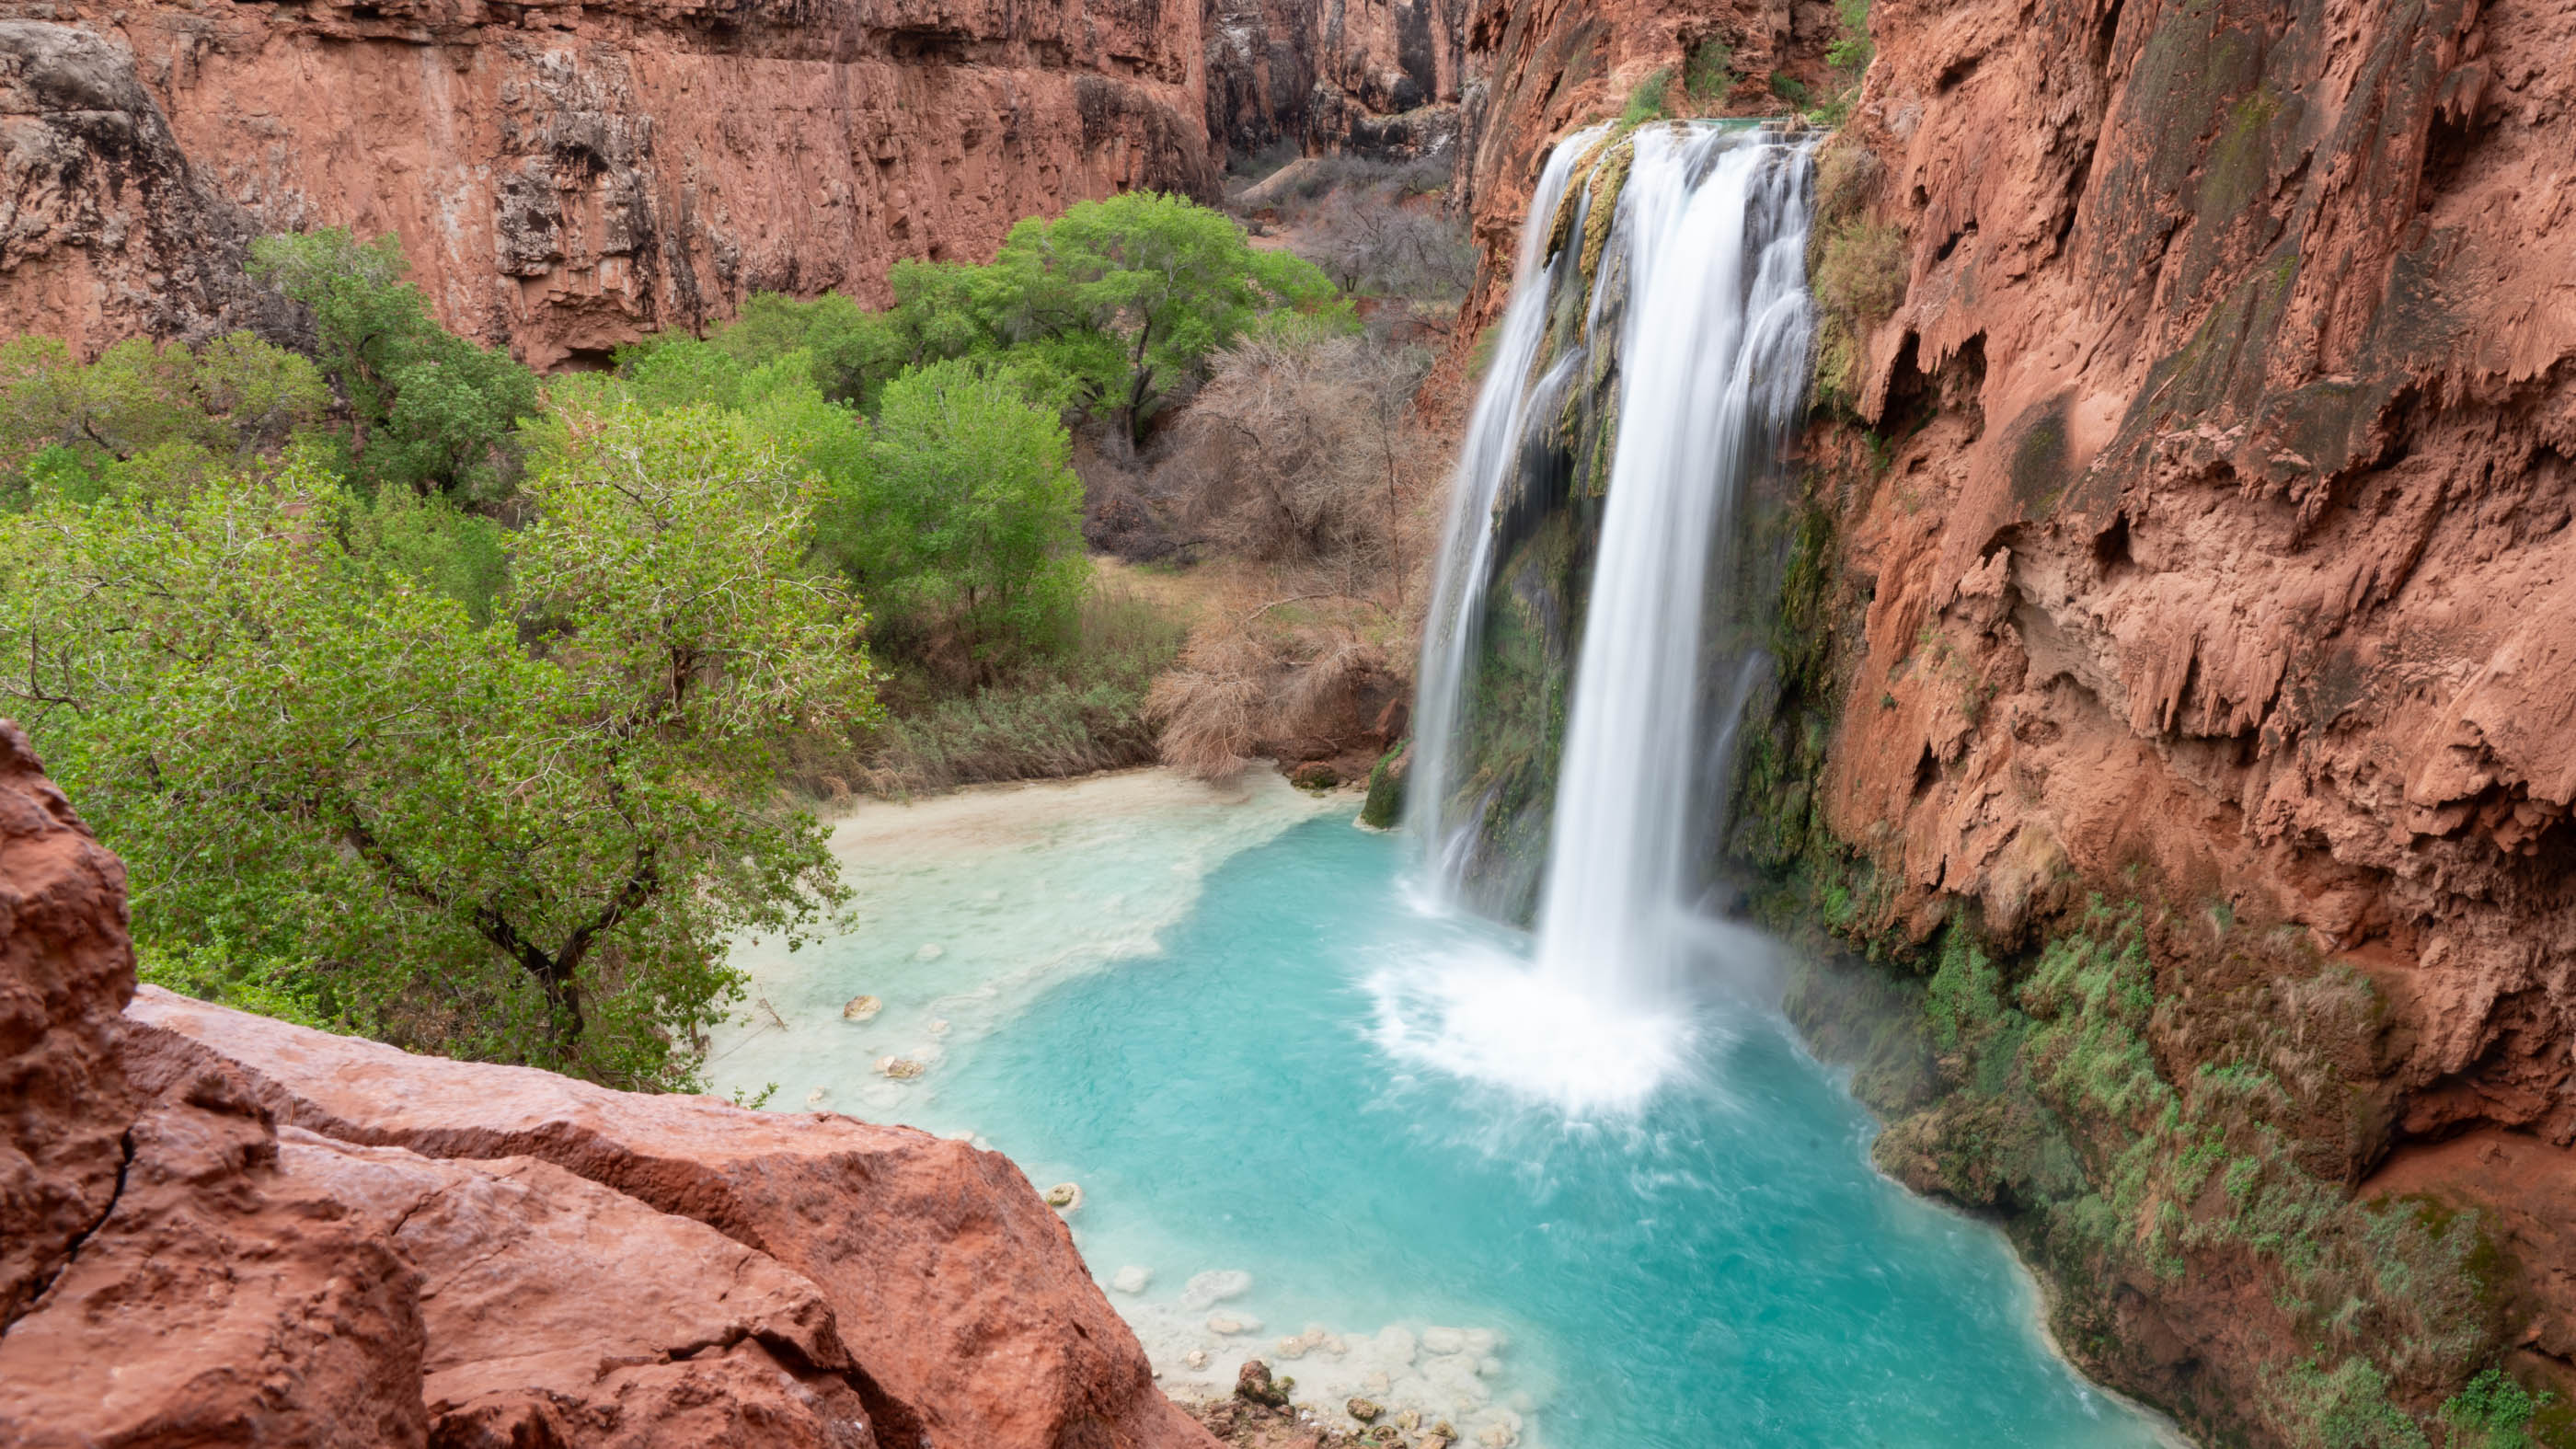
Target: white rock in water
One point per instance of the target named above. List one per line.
(1489, 1366)
(1064, 1197)
(1482, 1341)
(1132, 1279)
(1498, 1436)
(930, 951)
(1292, 1348)
(814, 1098)
(1333, 1345)
(1378, 1384)
(1443, 1340)
(862, 1008)
(1206, 1290)
(1396, 1345)
(1229, 1325)
(962, 1134)
(938, 1026)
(1195, 1358)
(902, 1069)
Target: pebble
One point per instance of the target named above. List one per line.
(1196, 1358)
(902, 1069)
(1131, 1279)
(862, 1008)
(1229, 1324)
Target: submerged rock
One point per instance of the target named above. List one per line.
(1132, 1279)
(862, 1008)
(1364, 1410)
(1206, 1290)
(902, 1069)
(1064, 1197)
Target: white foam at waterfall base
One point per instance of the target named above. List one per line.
(1485, 1015)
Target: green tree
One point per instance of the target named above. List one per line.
(428, 409)
(963, 519)
(1163, 279)
(144, 411)
(527, 841)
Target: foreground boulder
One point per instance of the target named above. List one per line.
(225, 1229)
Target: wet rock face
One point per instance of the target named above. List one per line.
(565, 178)
(217, 1228)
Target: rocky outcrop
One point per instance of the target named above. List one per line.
(564, 177)
(2227, 531)
(1376, 78)
(227, 1229)
(65, 971)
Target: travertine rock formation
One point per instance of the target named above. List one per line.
(2227, 530)
(302, 1238)
(564, 177)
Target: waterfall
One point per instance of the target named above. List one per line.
(1712, 230)
(1692, 343)
(1490, 453)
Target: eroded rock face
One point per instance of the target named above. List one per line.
(65, 972)
(565, 177)
(2239, 365)
(225, 1229)
(1378, 78)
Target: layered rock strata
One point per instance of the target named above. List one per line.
(563, 177)
(228, 1229)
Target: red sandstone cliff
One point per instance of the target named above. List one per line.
(220, 1228)
(564, 176)
(2203, 539)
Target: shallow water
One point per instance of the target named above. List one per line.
(1307, 1109)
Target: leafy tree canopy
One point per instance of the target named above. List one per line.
(429, 410)
(144, 411)
(341, 797)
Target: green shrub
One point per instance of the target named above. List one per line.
(1709, 72)
(962, 521)
(1647, 100)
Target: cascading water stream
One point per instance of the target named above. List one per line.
(1699, 282)
(1713, 361)
(1489, 455)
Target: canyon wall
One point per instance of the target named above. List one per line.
(219, 1228)
(1378, 78)
(563, 176)
(2175, 626)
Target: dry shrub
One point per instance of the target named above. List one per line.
(1302, 451)
(1268, 679)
